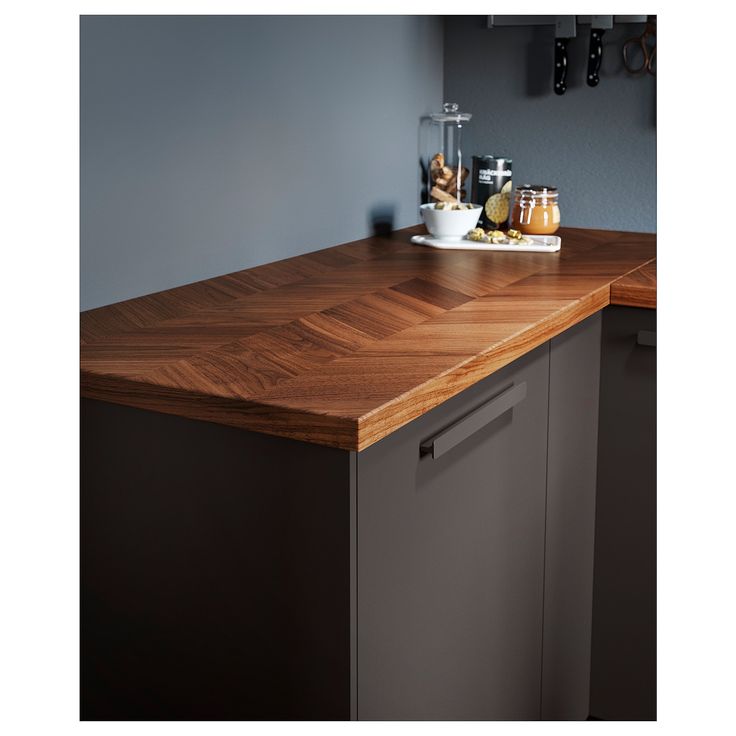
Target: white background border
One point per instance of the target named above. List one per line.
(39, 55)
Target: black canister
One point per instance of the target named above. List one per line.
(491, 188)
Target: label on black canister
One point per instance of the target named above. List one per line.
(491, 188)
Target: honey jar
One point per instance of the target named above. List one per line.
(535, 210)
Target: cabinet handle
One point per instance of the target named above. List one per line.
(647, 337)
(471, 423)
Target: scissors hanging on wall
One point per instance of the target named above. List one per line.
(640, 52)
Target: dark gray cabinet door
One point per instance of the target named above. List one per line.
(450, 556)
(574, 371)
(624, 657)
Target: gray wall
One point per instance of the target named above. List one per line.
(214, 143)
(598, 145)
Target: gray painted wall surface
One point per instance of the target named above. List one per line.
(598, 145)
(215, 143)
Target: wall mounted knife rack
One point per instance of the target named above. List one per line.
(565, 29)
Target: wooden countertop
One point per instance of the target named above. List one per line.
(345, 345)
(637, 289)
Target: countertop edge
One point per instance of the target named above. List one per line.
(637, 288)
(413, 404)
(328, 430)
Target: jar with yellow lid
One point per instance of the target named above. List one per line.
(535, 210)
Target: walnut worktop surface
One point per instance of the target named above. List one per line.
(345, 345)
(637, 289)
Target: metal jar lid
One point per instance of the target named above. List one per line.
(536, 190)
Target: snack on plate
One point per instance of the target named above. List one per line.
(497, 237)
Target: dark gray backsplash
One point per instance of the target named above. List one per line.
(214, 143)
(598, 145)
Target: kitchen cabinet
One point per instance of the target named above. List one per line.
(571, 501)
(452, 606)
(356, 484)
(624, 661)
(215, 571)
(229, 574)
(451, 560)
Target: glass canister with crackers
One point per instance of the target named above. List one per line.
(447, 167)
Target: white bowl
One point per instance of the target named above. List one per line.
(450, 224)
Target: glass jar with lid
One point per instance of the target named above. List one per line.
(447, 168)
(535, 210)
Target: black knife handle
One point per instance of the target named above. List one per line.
(560, 65)
(595, 56)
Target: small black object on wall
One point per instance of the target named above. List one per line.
(598, 26)
(564, 31)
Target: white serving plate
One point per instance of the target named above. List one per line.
(540, 244)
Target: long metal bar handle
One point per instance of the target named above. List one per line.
(647, 338)
(471, 423)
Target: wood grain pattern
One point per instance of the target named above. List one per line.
(343, 346)
(637, 289)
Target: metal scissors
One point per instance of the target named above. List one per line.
(638, 49)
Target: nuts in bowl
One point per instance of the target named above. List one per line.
(450, 220)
